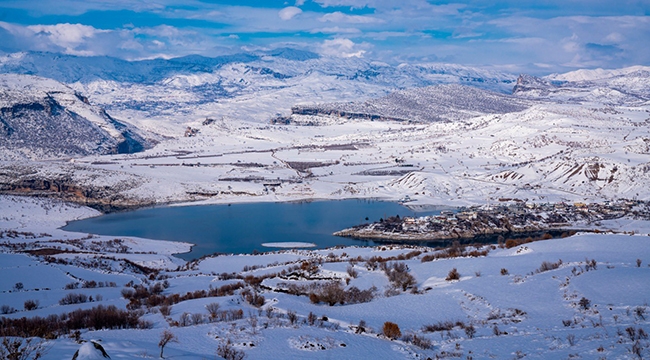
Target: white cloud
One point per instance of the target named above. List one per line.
(336, 30)
(289, 12)
(342, 47)
(67, 36)
(300, 2)
(340, 17)
(614, 37)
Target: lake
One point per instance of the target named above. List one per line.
(243, 228)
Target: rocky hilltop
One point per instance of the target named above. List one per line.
(43, 119)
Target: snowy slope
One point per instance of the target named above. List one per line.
(628, 86)
(42, 118)
(582, 296)
(422, 105)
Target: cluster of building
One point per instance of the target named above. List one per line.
(512, 218)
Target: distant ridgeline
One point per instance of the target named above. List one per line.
(421, 105)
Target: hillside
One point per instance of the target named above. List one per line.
(445, 103)
(41, 119)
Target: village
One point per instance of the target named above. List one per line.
(516, 218)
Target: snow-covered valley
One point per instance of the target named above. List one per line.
(579, 297)
(212, 134)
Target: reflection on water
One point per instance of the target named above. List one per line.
(242, 228)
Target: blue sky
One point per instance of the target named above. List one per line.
(535, 36)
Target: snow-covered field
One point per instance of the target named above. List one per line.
(584, 296)
(581, 136)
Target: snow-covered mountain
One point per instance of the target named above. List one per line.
(42, 118)
(420, 105)
(629, 86)
(253, 85)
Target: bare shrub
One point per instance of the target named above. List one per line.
(571, 339)
(197, 318)
(89, 284)
(71, 286)
(73, 298)
(165, 338)
(185, 319)
(356, 296)
(19, 349)
(439, 326)
(639, 312)
(213, 309)
(470, 331)
(547, 266)
(97, 318)
(6, 309)
(391, 330)
(504, 271)
(165, 310)
(496, 331)
(591, 264)
(398, 274)
(453, 275)
(31, 305)
(419, 341)
(228, 352)
(291, 315)
(584, 303)
(253, 298)
(638, 262)
(331, 293)
(352, 271)
(311, 318)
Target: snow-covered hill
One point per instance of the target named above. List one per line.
(42, 118)
(628, 86)
(421, 105)
(253, 85)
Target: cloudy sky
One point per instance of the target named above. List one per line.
(536, 36)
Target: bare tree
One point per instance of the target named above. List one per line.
(213, 309)
(165, 338)
(16, 349)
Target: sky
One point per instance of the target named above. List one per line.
(517, 35)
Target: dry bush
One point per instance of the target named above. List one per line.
(398, 275)
(73, 299)
(504, 271)
(547, 266)
(446, 325)
(253, 298)
(291, 315)
(453, 275)
(333, 293)
(470, 331)
(97, 318)
(213, 309)
(31, 305)
(391, 330)
(6, 309)
(510, 243)
(165, 310)
(419, 341)
(228, 352)
(19, 349)
(352, 272)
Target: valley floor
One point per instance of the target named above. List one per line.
(584, 296)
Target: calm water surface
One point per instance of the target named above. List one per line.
(242, 228)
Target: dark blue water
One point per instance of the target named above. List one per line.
(242, 228)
